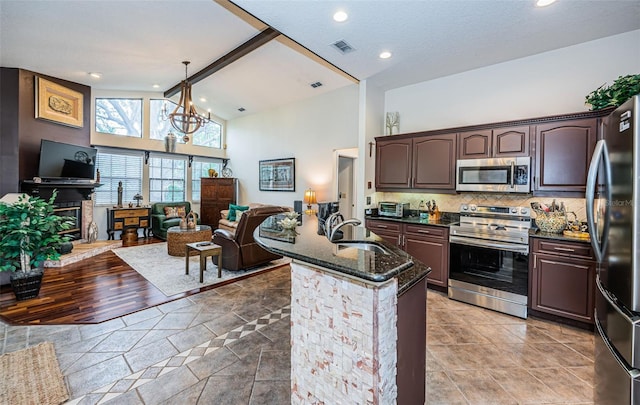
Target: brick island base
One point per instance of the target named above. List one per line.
(343, 338)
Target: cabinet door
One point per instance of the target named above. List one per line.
(393, 163)
(474, 145)
(215, 195)
(434, 162)
(508, 142)
(433, 252)
(563, 287)
(563, 154)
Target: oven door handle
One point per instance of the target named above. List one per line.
(509, 247)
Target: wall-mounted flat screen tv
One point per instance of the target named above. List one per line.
(65, 161)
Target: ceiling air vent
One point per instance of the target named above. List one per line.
(316, 84)
(343, 46)
(241, 109)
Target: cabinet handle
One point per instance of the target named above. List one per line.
(404, 240)
(382, 226)
(577, 266)
(535, 257)
(423, 231)
(399, 240)
(564, 249)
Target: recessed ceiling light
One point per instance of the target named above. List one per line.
(544, 3)
(156, 86)
(96, 75)
(340, 16)
(203, 99)
(385, 55)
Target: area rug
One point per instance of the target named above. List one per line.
(32, 376)
(167, 273)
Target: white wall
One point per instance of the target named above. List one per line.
(549, 83)
(309, 130)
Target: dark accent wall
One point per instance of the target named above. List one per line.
(22, 132)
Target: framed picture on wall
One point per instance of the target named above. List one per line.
(58, 104)
(277, 175)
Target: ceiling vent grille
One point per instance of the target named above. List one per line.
(343, 47)
(316, 84)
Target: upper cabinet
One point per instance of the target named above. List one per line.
(424, 162)
(563, 153)
(393, 163)
(434, 162)
(501, 142)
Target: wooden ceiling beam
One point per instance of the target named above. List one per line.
(251, 45)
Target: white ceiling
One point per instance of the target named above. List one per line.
(138, 43)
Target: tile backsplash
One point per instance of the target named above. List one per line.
(451, 202)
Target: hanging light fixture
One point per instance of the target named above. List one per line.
(188, 120)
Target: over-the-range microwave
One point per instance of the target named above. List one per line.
(501, 175)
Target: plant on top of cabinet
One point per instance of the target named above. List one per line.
(622, 89)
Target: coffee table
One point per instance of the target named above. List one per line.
(177, 238)
(205, 249)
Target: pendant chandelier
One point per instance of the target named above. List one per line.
(185, 118)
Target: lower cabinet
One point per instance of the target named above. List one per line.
(563, 279)
(427, 243)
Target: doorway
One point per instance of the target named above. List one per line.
(346, 186)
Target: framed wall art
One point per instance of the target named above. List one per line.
(277, 175)
(58, 103)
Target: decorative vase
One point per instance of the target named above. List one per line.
(26, 285)
(183, 223)
(170, 142)
(213, 173)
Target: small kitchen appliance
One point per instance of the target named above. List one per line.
(489, 258)
(393, 209)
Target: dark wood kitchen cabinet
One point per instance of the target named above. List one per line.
(562, 279)
(421, 162)
(563, 153)
(393, 163)
(428, 244)
(499, 142)
(434, 162)
(216, 193)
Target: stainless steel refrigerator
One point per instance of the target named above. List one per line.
(613, 216)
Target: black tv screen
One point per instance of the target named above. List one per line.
(65, 161)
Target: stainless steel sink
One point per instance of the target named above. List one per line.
(372, 247)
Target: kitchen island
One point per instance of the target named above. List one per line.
(358, 316)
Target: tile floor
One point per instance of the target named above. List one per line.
(231, 346)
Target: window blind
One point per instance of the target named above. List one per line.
(115, 168)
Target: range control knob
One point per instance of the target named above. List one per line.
(464, 207)
(524, 211)
(473, 208)
(514, 210)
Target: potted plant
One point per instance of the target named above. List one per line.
(29, 235)
(623, 88)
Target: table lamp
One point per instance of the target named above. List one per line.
(309, 198)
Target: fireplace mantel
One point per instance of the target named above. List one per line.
(67, 191)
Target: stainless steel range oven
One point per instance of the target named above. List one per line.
(489, 258)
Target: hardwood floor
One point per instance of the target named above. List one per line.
(91, 291)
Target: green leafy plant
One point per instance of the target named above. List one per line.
(29, 233)
(620, 91)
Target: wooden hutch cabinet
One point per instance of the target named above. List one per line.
(216, 193)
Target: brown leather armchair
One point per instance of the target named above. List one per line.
(240, 251)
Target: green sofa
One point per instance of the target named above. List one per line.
(159, 221)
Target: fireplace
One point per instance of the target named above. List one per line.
(71, 210)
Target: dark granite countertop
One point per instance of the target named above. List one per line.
(446, 219)
(304, 244)
(537, 233)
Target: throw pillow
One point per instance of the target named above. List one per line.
(233, 211)
(175, 212)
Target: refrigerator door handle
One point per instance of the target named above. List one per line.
(600, 154)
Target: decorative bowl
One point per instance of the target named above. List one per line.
(552, 222)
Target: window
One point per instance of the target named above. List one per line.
(115, 168)
(119, 116)
(209, 135)
(167, 179)
(201, 169)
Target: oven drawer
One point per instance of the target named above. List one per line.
(563, 248)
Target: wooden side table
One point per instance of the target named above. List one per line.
(204, 249)
(121, 219)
